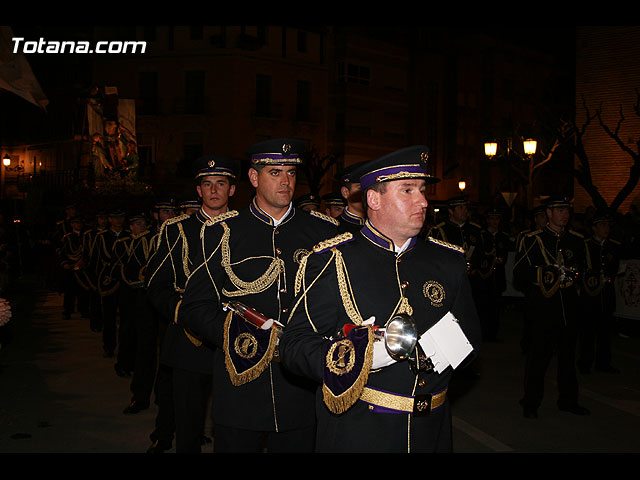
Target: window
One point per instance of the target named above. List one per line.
(263, 95)
(353, 73)
(194, 91)
(302, 41)
(148, 93)
(303, 101)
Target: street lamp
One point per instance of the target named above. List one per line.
(530, 146)
(462, 185)
(6, 161)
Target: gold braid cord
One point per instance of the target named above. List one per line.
(246, 288)
(196, 341)
(255, 371)
(341, 403)
(344, 287)
(324, 217)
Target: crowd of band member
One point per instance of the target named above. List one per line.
(168, 290)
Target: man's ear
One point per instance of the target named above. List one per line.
(373, 199)
(253, 177)
(232, 190)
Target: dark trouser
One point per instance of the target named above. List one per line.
(95, 315)
(127, 330)
(596, 325)
(191, 393)
(165, 425)
(109, 318)
(552, 330)
(237, 440)
(73, 293)
(146, 360)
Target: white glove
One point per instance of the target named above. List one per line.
(381, 357)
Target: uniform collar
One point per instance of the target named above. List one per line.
(268, 219)
(381, 240)
(349, 217)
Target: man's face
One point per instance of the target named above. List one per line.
(102, 222)
(602, 229)
(70, 212)
(558, 216)
(76, 225)
(459, 213)
(138, 226)
(310, 207)
(400, 211)
(493, 222)
(335, 210)
(540, 219)
(165, 214)
(116, 221)
(215, 191)
(353, 195)
(274, 184)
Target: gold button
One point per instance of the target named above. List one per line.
(278, 251)
(399, 260)
(404, 284)
(422, 382)
(285, 310)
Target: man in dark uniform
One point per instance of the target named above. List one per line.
(356, 284)
(62, 227)
(187, 207)
(71, 263)
(252, 258)
(137, 312)
(539, 214)
(333, 204)
(91, 271)
(108, 278)
(458, 230)
(492, 280)
(354, 213)
(549, 263)
(598, 297)
(184, 375)
(308, 202)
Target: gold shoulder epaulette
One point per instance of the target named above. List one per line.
(614, 241)
(222, 217)
(179, 218)
(475, 225)
(332, 242)
(171, 221)
(324, 217)
(534, 232)
(439, 225)
(450, 246)
(577, 234)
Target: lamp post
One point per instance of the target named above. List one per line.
(529, 147)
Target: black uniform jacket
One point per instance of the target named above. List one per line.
(536, 270)
(139, 249)
(261, 263)
(349, 222)
(106, 260)
(430, 275)
(602, 261)
(177, 253)
(468, 236)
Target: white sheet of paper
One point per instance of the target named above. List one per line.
(449, 340)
